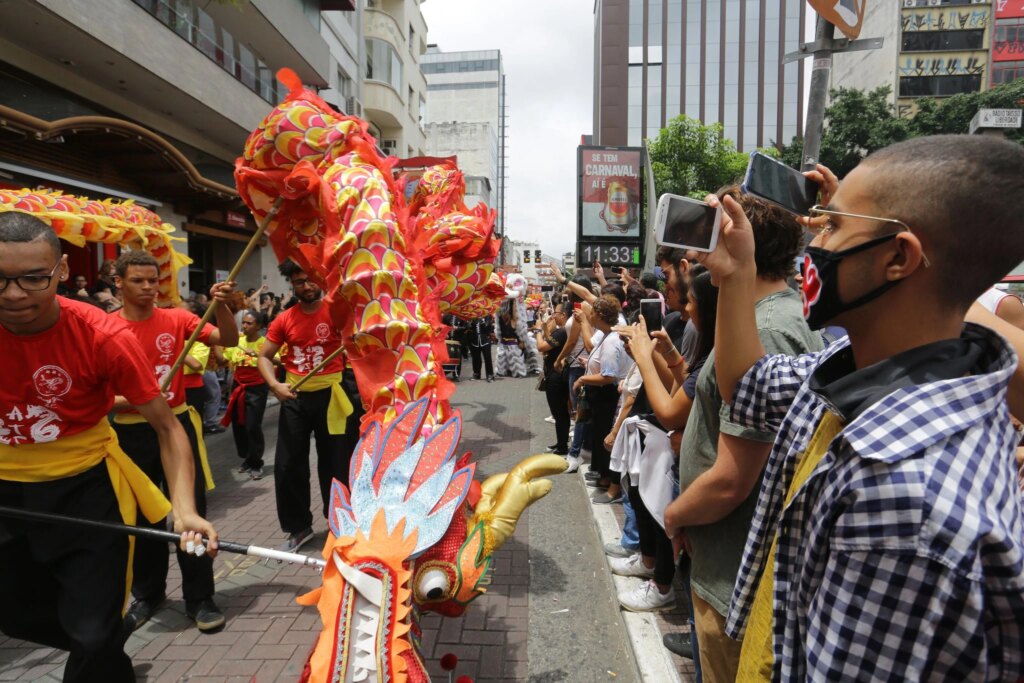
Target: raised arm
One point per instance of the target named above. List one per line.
(226, 333)
(737, 344)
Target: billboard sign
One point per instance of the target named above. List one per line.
(610, 192)
(1009, 9)
(845, 15)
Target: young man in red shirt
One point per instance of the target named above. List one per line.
(162, 333)
(327, 406)
(63, 362)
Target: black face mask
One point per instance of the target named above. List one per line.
(820, 289)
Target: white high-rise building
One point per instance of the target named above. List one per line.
(466, 118)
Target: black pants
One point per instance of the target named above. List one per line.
(64, 587)
(654, 542)
(140, 442)
(557, 392)
(197, 397)
(248, 435)
(484, 352)
(300, 418)
(603, 401)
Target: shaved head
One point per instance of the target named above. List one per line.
(963, 196)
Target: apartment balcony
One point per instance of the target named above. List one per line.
(382, 105)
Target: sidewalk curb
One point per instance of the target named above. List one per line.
(652, 660)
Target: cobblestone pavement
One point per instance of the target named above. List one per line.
(549, 615)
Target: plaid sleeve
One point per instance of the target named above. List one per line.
(891, 615)
(764, 395)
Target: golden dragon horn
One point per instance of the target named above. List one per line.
(504, 497)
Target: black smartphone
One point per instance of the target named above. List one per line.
(650, 309)
(774, 182)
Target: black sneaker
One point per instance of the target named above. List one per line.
(141, 611)
(296, 541)
(206, 615)
(558, 451)
(678, 643)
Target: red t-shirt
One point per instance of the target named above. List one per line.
(162, 337)
(310, 339)
(62, 381)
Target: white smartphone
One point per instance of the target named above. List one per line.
(686, 223)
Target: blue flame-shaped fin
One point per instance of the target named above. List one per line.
(410, 479)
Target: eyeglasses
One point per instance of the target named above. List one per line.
(829, 226)
(30, 283)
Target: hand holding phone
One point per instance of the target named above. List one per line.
(651, 310)
(686, 223)
(778, 184)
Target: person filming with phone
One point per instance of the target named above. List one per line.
(888, 537)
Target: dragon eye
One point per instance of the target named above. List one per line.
(433, 584)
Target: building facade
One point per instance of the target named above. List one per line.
(394, 91)
(718, 61)
(466, 118)
(152, 100)
(1008, 42)
(932, 48)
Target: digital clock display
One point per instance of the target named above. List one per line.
(608, 253)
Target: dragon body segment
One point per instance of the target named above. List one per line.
(411, 531)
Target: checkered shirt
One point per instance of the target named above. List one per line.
(902, 556)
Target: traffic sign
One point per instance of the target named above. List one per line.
(845, 15)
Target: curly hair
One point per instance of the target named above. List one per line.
(289, 269)
(134, 257)
(607, 309)
(778, 238)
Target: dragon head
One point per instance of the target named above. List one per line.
(406, 538)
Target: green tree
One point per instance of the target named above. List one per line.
(857, 123)
(692, 159)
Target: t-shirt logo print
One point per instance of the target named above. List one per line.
(323, 331)
(165, 343)
(51, 382)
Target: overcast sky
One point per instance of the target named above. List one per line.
(548, 53)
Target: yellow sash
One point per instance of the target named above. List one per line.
(72, 455)
(757, 654)
(197, 425)
(339, 408)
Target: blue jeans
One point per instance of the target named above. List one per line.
(581, 434)
(630, 534)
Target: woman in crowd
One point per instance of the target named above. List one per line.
(248, 396)
(606, 365)
(550, 341)
(671, 407)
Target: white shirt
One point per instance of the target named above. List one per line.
(608, 358)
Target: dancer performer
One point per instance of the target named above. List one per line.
(511, 362)
(62, 364)
(515, 287)
(162, 333)
(248, 396)
(327, 406)
(480, 334)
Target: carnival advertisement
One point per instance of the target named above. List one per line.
(609, 191)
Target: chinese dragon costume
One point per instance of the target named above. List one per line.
(411, 531)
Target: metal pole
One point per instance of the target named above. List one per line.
(157, 535)
(211, 309)
(821, 70)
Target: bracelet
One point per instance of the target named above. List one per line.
(677, 363)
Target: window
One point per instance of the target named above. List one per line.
(412, 39)
(1004, 72)
(460, 66)
(383, 63)
(939, 86)
(929, 41)
(423, 111)
(411, 99)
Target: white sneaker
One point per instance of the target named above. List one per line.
(647, 598)
(574, 463)
(550, 419)
(630, 566)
